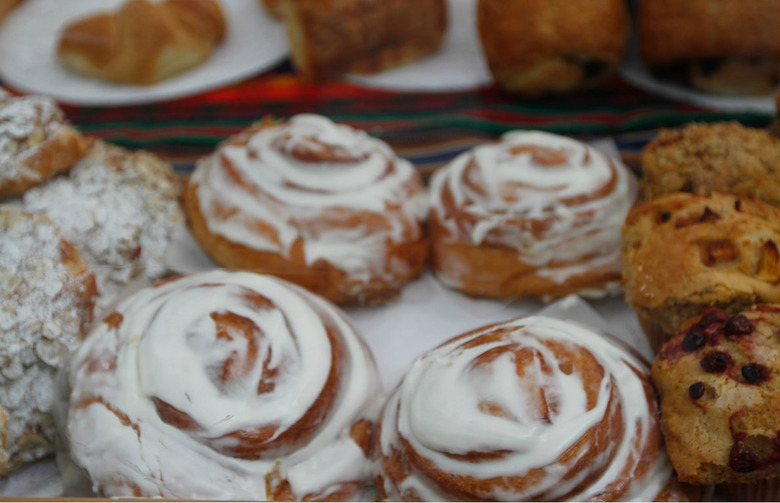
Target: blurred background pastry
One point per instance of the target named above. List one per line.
(713, 157)
(720, 394)
(533, 409)
(538, 47)
(223, 386)
(317, 203)
(532, 214)
(717, 46)
(683, 253)
(330, 38)
(47, 299)
(142, 42)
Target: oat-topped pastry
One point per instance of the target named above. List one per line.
(36, 142)
(719, 384)
(47, 296)
(683, 253)
(118, 208)
(716, 157)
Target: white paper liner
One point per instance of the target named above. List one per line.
(254, 42)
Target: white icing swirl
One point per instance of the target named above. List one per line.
(253, 398)
(305, 179)
(507, 412)
(554, 199)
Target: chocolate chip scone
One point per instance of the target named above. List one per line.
(717, 157)
(719, 385)
(682, 253)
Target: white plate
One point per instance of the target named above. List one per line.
(458, 66)
(254, 42)
(635, 72)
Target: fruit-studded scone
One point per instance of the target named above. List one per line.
(683, 253)
(719, 384)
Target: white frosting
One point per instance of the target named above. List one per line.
(438, 410)
(167, 348)
(513, 199)
(294, 196)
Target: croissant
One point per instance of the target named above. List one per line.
(143, 42)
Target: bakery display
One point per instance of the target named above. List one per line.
(717, 46)
(533, 409)
(683, 253)
(37, 142)
(717, 381)
(47, 296)
(543, 47)
(142, 42)
(317, 203)
(223, 385)
(713, 157)
(119, 209)
(334, 37)
(531, 214)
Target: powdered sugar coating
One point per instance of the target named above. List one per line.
(45, 304)
(118, 208)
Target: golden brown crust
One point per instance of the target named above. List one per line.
(329, 38)
(743, 36)
(38, 143)
(273, 7)
(552, 46)
(720, 394)
(142, 42)
(717, 157)
(683, 253)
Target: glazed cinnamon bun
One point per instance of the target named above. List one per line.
(223, 385)
(36, 142)
(526, 410)
(532, 214)
(317, 203)
(47, 298)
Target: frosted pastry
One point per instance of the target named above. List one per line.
(532, 214)
(222, 386)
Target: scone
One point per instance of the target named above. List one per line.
(717, 46)
(716, 157)
(119, 209)
(683, 253)
(47, 298)
(720, 396)
(532, 214)
(537, 47)
(314, 202)
(329, 38)
(37, 142)
(142, 42)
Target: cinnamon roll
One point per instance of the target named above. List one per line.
(317, 203)
(47, 298)
(532, 214)
(530, 409)
(223, 385)
(36, 142)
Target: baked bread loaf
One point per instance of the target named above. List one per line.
(716, 46)
(274, 7)
(683, 253)
(329, 38)
(47, 297)
(223, 386)
(717, 380)
(537, 47)
(533, 409)
(715, 157)
(317, 203)
(36, 142)
(119, 209)
(142, 42)
(531, 214)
